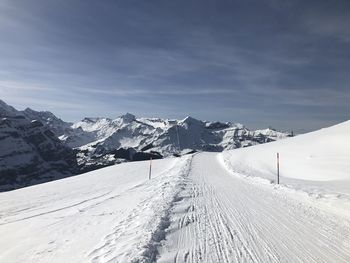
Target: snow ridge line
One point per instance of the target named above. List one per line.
(151, 253)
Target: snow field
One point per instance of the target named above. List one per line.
(113, 214)
(316, 164)
(222, 217)
(206, 207)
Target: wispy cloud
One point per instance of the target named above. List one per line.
(159, 58)
(15, 86)
(44, 104)
(335, 26)
(170, 90)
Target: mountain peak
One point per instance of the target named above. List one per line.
(128, 117)
(189, 119)
(6, 109)
(2, 103)
(28, 109)
(30, 113)
(90, 119)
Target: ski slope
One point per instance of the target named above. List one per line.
(110, 215)
(206, 207)
(315, 164)
(222, 217)
(322, 155)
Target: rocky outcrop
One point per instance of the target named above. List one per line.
(30, 153)
(55, 124)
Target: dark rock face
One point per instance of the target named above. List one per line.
(106, 158)
(126, 154)
(130, 154)
(217, 125)
(30, 153)
(56, 125)
(143, 156)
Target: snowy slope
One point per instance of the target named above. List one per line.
(322, 155)
(222, 217)
(114, 214)
(317, 163)
(192, 210)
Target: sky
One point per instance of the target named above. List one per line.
(278, 63)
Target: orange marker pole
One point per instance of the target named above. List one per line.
(278, 168)
(150, 168)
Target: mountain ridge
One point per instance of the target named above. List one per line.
(97, 142)
(30, 153)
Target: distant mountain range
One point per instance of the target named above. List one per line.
(37, 146)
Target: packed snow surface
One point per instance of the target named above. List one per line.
(206, 207)
(222, 217)
(110, 214)
(317, 163)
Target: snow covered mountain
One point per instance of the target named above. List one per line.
(103, 141)
(30, 153)
(36, 143)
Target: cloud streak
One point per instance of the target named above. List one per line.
(179, 58)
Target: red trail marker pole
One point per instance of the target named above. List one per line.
(150, 168)
(278, 168)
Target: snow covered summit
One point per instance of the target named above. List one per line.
(99, 142)
(97, 139)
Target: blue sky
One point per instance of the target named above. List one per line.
(263, 63)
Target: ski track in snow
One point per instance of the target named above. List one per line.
(221, 217)
(118, 218)
(193, 210)
(137, 237)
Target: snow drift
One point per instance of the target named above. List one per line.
(316, 164)
(323, 155)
